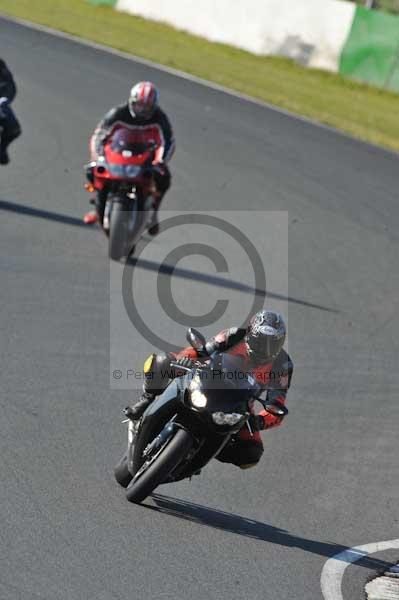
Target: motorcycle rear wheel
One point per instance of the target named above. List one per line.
(170, 456)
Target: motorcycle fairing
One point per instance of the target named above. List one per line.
(154, 419)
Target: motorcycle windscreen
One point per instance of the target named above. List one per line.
(230, 372)
(227, 383)
(132, 142)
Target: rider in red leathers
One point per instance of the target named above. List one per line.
(260, 345)
(142, 113)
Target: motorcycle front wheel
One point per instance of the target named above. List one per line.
(121, 472)
(156, 469)
(118, 231)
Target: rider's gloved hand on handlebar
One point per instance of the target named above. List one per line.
(160, 167)
(184, 361)
(256, 422)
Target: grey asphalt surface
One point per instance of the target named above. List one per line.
(329, 476)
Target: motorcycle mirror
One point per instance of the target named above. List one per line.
(277, 411)
(195, 339)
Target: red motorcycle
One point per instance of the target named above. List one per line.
(126, 172)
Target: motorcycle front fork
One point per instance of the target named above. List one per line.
(150, 205)
(107, 212)
(132, 429)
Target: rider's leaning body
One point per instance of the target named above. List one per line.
(260, 346)
(8, 120)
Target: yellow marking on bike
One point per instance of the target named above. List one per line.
(148, 364)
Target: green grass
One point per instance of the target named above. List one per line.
(361, 110)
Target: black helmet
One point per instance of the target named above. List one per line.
(265, 335)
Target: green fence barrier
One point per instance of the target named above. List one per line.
(371, 52)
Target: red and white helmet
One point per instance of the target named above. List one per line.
(143, 100)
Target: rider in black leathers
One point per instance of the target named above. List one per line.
(10, 128)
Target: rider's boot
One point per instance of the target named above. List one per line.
(97, 215)
(136, 411)
(154, 225)
(7, 138)
(91, 217)
(4, 158)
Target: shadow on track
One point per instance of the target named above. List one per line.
(165, 269)
(42, 214)
(232, 523)
(161, 268)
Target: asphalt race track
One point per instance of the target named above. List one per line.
(329, 477)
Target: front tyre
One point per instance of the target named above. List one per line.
(167, 460)
(122, 473)
(118, 231)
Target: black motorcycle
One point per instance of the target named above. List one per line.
(197, 415)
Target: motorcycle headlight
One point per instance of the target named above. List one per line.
(221, 418)
(198, 399)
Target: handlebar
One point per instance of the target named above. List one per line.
(276, 409)
(196, 363)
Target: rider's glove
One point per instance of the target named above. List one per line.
(184, 361)
(256, 422)
(160, 167)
